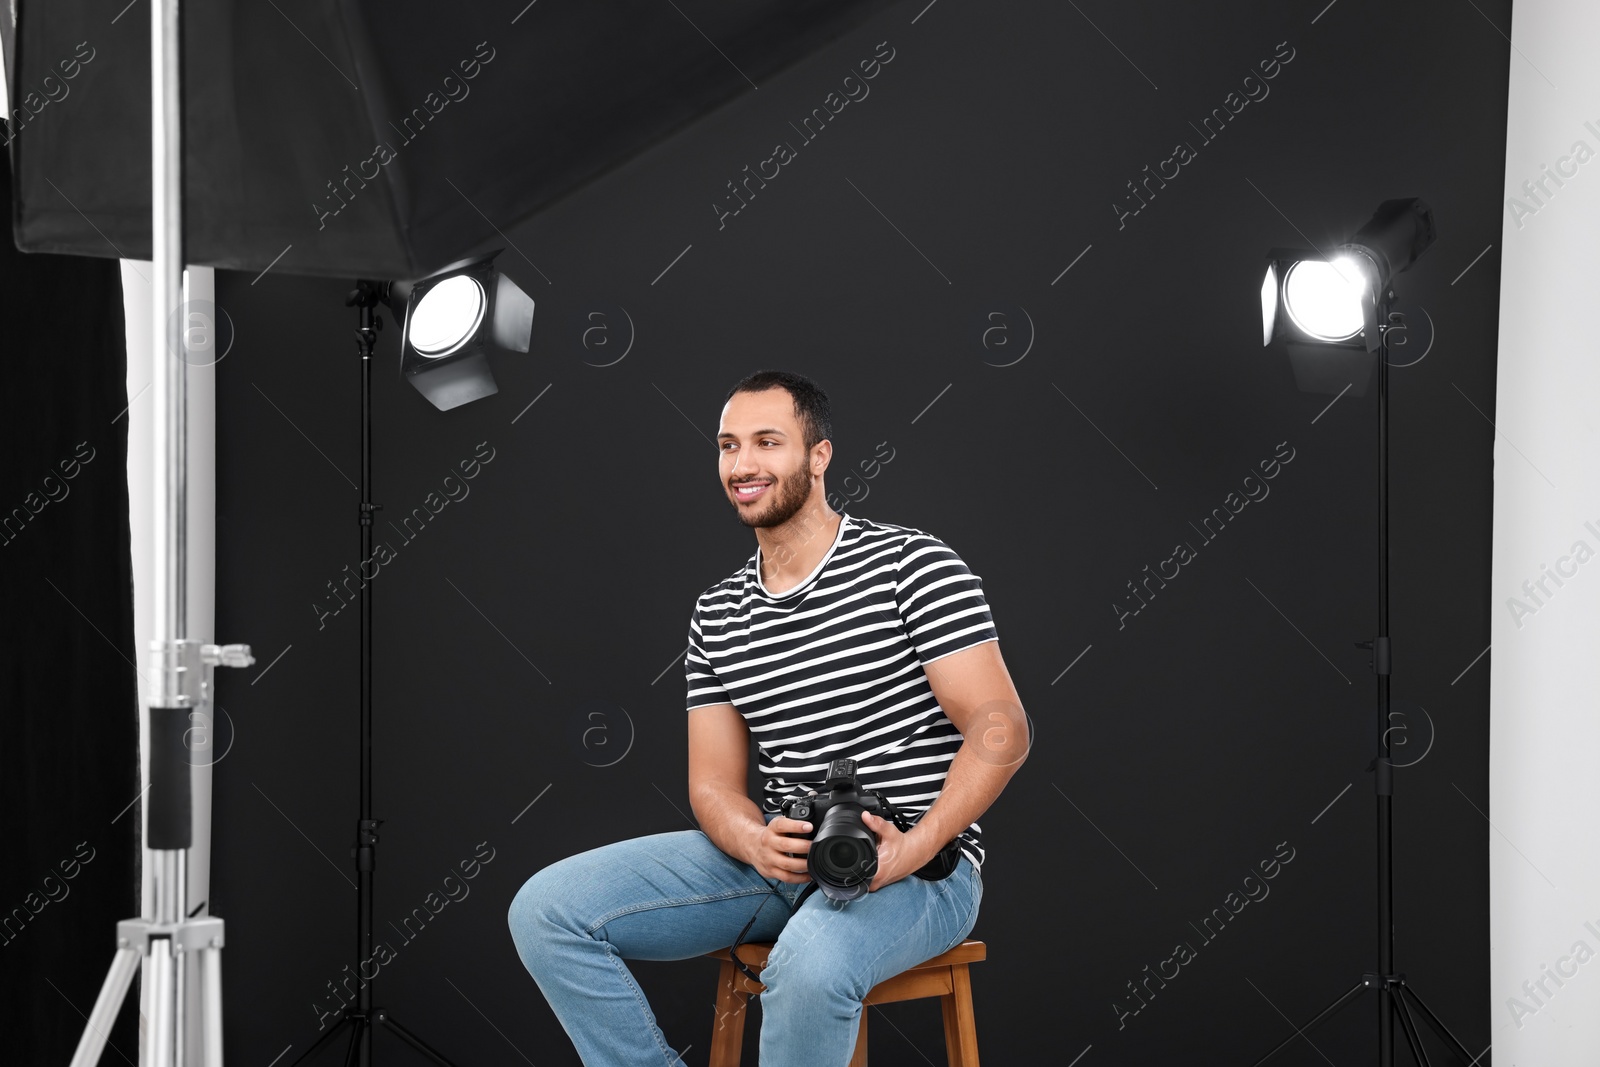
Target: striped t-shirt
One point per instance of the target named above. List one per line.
(833, 668)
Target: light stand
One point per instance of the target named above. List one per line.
(360, 1020)
(1396, 997)
(164, 943)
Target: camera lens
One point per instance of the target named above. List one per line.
(844, 854)
(841, 860)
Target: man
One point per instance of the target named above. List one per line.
(841, 638)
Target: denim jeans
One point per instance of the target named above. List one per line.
(676, 896)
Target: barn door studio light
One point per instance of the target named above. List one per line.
(1335, 310)
(1327, 307)
(453, 320)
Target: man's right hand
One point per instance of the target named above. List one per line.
(773, 847)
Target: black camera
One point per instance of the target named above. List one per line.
(844, 853)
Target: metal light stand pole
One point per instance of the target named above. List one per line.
(1396, 998)
(362, 1019)
(164, 943)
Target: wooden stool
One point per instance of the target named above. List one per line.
(945, 977)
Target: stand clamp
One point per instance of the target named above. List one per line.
(1379, 647)
(365, 850)
(182, 671)
(1382, 982)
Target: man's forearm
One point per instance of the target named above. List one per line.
(971, 785)
(730, 818)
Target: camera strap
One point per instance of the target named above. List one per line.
(733, 949)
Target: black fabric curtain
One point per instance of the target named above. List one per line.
(69, 765)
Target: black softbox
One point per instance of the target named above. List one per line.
(361, 138)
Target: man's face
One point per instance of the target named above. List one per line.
(761, 444)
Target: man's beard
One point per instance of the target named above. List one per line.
(782, 501)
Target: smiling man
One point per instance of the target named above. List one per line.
(840, 638)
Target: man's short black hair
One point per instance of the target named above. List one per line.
(810, 402)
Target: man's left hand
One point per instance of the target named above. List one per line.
(899, 853)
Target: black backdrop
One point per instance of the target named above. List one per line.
(1174, 752)
(68, 688)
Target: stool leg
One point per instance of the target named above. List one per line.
(858, 1058)
(960, 1026)
(727, 1032)
(952, 1032)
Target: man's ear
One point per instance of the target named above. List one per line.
(823, 453)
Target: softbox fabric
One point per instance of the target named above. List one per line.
(367, 139)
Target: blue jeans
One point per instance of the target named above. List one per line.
(676, 896)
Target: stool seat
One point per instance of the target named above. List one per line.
(944, 976)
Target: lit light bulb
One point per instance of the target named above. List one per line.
(1325, 299)
(447, 316)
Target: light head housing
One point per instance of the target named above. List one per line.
(1324, 306)
(454, 319)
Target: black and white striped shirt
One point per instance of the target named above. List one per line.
(833, 668)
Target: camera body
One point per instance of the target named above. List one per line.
(844, 853)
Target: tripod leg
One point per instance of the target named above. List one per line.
(209, 961)
(1349, 995)
(160, 971)
(413, 1040)
(1403, 1012)
(311, 1052)
(106, 1007)
(1439, 1027)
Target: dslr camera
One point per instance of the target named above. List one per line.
(844, 853)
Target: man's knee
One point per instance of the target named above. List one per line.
(562, 897)
(544, 905)
(567, 897)
(809, 974)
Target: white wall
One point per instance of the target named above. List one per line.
(1544, 763)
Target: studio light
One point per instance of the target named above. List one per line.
(1335, 311)
(453, 320)
(1325, 306)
